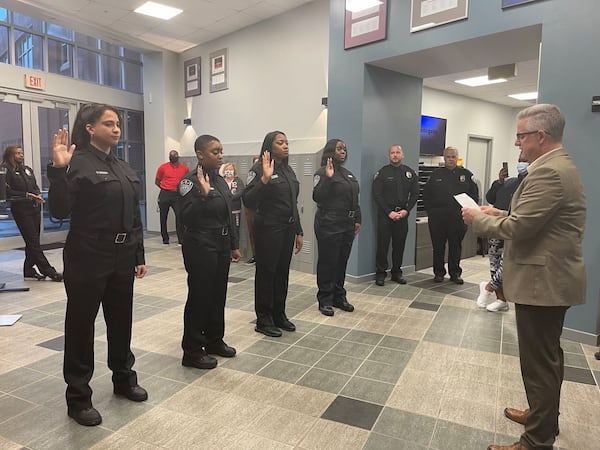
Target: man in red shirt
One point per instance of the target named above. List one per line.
(167, 179)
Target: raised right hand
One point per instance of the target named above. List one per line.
(329, 168)
(61, 154)
(268, 167)
(204, 181)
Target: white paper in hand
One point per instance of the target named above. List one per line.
(465, 201)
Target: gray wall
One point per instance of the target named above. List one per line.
(568, 78)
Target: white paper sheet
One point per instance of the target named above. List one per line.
(465, 201)
(7, 320)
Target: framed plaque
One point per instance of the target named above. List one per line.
(365, 26)
(432, 13)
(219, 80)
(191, 77)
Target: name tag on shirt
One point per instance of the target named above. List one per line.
(101, 172)
(274, 176)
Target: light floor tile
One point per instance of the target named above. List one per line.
(326, 435)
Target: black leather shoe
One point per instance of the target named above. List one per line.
(438, 278)
(134, 393)
(33, 275)
(54, 275)
(326, 310)
(285, 324)
(380, 282)
(457, 280)
(201, 361)
(597, 355)
(221, 349)
(344, 306)
(268, 330)
(251, 260)
(398, 279)
(89, 417)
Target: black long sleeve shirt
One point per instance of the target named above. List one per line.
(338, 193)
(443, 185)
(395, 187)
(20, 181)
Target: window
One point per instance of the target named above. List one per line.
(112, 72)
(83, 40)
(29, 50)
(4, 45)
(60, 58)
(60, 32)
(133, 77)
(29, 23)
(88, 65)
(111, 49)
(3, 15)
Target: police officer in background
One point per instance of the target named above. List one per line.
(444, 213)
(337, 221)
(395, 191)
(272, 191)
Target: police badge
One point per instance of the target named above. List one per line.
(316, 180)
(408, 175)
(462, 178)
(185, 186)
(27, 171)
(251, 176)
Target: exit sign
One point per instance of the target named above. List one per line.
(35, 82)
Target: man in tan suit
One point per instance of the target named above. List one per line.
(544, 273)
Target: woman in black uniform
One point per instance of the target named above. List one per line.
(210, 243)
(103, 252)
(236, 186)
(272, 191)
(25, 205)
(337, 221)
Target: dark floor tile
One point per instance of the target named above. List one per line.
(264, 347)
(304, 326)
(51, 365)
(12, 406)
(432, 299)
(330, 331)
(324, 380)
(425, 306)
(70, 436)
(387, 355)
(154, 270)
(153, 363)
(352, 349)
(368, 390)
(481, 344)
(571, 347)
(405, 291)
(597, 376)
(235, 279)
(246, 362)
(578, 375)
(19, 429)
(317, 342)
(286, 338)
(301, 355)
(284, 371)
(381, 371)
(58, 343)
(352, 412)
(339, 363)
(378, 441)
(443, 337)
(17, 378)
(452, 436)
(405, 425)
(574, 360)
(398, 343)
(510, 349)
(41, 391)
(363, 337)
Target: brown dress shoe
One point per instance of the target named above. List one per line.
(515, 446)
(516, 415)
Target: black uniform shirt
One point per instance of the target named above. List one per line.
(278, 198)
(95, 189)
(338, 193)
(20, 181)
(212, 212)
(237, 189)
(395, 187)
(500, 194)
(443, 185)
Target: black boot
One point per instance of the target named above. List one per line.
(54, 275)
(33, 274)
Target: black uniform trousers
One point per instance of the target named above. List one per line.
(542, 367)
(274, 243)
(397, 231)
(448, 229)
(206, 256)
(169, 199)
(97, 271)
(28, 220)
(335, 235)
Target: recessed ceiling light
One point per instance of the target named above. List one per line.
(525, 96)
(480, 81)
(361, 5)
(158, 10)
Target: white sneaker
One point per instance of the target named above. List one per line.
(498, 305)
(485, 297)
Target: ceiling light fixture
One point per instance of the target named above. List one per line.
(360, 5)
(157, 10)
(525, 96)
(480, 81)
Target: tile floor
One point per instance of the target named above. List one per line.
(413, 367)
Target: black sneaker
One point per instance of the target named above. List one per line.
(200, 361)
(398, 279)
(344, 306)
(89, 417)
(270, 331)
(221, 349)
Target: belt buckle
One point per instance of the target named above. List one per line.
(351, 213)
(291, 219)
(120, 238)
(224, 231)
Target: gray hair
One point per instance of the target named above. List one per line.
(450, 148)
(545, 117)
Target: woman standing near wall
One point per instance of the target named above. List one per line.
(337, 221)
(25, 205)
(272, 191)
(236, 186)
(103, 252)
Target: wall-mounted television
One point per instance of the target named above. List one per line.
(433, 136)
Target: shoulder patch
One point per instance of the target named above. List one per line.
(316, 180)
(185, 186)
(376, 175)
(251, 176)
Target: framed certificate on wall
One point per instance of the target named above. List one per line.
(432, 13)
(191, 75)
(366, 25)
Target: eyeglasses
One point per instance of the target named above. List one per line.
(520, 136)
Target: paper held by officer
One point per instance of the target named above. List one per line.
(465, 201)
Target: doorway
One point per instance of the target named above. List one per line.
(479, 153)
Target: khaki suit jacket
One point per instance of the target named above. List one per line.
(543, 262)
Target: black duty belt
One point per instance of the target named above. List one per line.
(338, 212)
(218, 231)
(277, 218)
(114, 238)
